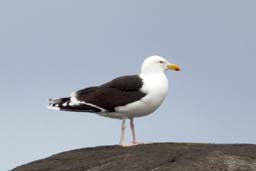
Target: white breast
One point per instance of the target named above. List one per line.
(156, 88)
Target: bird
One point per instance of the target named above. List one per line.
(125, 97)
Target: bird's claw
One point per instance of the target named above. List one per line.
(137, 143)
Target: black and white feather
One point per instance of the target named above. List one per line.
(123, 97)
(105, 98)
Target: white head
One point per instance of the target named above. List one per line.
(157, 64)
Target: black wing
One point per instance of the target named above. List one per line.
(118, 92)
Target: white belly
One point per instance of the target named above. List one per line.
(156, 88)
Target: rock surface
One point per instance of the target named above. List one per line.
(151, 157)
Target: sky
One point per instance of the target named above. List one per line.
(52, 48)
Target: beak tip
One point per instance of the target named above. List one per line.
(174, 67)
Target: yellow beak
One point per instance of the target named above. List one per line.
(173, 67)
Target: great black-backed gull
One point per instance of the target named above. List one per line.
(125, 97)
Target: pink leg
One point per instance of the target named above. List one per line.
(122, 143)
(134, 140)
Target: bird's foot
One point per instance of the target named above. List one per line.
(137, 142)
(126, 145)
(132, 144)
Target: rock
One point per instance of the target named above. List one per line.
(152, 157)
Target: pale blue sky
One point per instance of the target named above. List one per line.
(51, 48)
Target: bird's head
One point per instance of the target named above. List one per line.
(154, 64)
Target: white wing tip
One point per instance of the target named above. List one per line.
(52, 107)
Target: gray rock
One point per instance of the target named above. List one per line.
(152, 157)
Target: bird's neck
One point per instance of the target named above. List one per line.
(153, 74)
(155, 78)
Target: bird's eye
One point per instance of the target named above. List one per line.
(161, 62)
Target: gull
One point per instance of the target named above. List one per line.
(125, 97)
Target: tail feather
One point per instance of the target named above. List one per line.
(65, 104)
